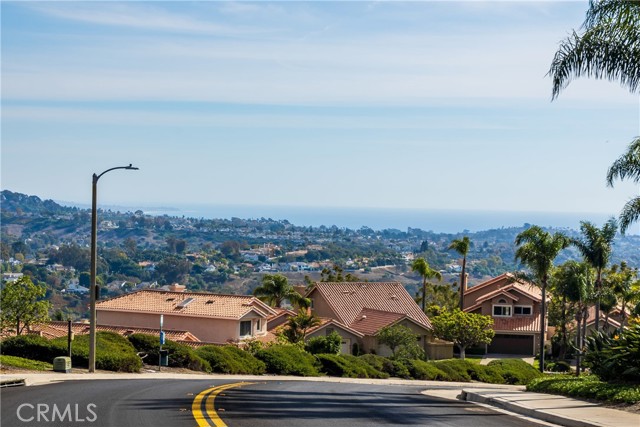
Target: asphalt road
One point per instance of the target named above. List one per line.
(191, 403)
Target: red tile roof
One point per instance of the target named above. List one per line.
(56, 329)
(510, 282)
(348, 299)
(326, 322)
(187, 304)
(371, 321)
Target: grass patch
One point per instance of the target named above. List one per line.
(22, 363)
(589, 387)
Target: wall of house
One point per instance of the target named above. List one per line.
(320, 306)
(206, 329)
(439, 350)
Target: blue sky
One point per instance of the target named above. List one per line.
(426, 105)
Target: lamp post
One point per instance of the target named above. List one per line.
(93, 289)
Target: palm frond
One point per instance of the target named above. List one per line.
(630, 214)
(627, 165)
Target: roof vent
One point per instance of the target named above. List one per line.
(364, 316)
(170, 299)
(346, 292)
(209, 302)
(393, 297)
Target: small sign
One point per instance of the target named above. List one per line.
(162, 338)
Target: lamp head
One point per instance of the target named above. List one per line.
(130, 167)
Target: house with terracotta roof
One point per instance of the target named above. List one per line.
(515, 308)
(359, 310)
(212, 318)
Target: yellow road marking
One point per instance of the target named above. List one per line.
(196, 407)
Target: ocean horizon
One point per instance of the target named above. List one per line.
(436, 220)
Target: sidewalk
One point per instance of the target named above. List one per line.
(552, 408)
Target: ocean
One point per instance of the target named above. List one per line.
(440, 221)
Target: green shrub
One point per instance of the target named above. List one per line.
(30, 347)
(615, 358)
(288, 360)
(589, 387)
(392, 367)
(421, 370)
(329, 344)
(455, 369)
(113, 352)
(229, 359)
(515, 371)
(348, 366)
(180, 355)
(559, 366)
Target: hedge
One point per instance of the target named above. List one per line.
(180, 355)
(348, 366)
(288, 360)
(113, 352)
(515, 371)
(231, 360)
(588, 386)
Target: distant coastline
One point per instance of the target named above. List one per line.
(439, 221)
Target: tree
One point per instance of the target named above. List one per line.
(335, 275)
(400, 340)
(438, 297)
(463, 329)
(609, 47)
(22, 305)
(173, 269)
(275, 289)
(537, 249)
(595, 247)
(421, 266)
(462, 247)
(627, 166)
(624, 283)
(573, 283)
(297, 327)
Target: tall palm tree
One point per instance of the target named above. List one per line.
(596, 247)
(462, 247)
(537, 249)
(421, 266)
(627, 166)
(275, 289)
(625, 284)
(608, 47)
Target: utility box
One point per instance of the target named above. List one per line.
(62, 364)
(164, 357)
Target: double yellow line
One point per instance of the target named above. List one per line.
(211, 414)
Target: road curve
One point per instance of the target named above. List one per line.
(175, 403)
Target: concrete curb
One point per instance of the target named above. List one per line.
(574, 417)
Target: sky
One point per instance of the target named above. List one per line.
(421, 105)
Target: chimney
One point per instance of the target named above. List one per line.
(177, 288)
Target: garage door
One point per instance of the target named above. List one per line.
(512, 344)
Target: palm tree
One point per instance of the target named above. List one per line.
(275, 289)
(297, 327)
(627, 166)
(462, 247)
(421, 266)
(537, 249)
(577, 287)
(625, 285)
(609, 47)
(595, 246)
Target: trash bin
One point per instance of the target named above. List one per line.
(164, 357)
(62, 364)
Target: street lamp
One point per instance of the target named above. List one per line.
(94, 238)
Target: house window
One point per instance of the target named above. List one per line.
(502, 310)
(245, 328)
(311, 303)
(522, 310)
(258, 325)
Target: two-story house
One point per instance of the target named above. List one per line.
(515, 308)
(213, 318)
(359, 310)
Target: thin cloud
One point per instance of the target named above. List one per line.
(137, 16)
